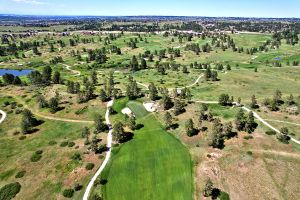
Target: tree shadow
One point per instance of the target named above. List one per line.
(174, 126)
(126, 137)
(139, 126)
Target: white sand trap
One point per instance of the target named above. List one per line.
(150, 107)
(126, 111)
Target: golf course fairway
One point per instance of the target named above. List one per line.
(153, 165)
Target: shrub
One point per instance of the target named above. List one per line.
(76, 156)
(89, 166)
(77, 187)
(20, 174)
(270, 132)
(39, 152)
(71, 144)
(36, 157)
(249, 153)
(23, 137)
(9, 191)
(283, 138)
(248, 137)
(224, 196)
(52, 143)
(64, 144)
(68, 193)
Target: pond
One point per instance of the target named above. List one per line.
(15, 72)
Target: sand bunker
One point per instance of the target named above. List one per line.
(126, 111)
(150, 107)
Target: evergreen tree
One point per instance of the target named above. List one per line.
(94, 78)
(250, 123)
(28, 121)
(53, 104)
(103, 96)
(100, 126)
(42, 101)
(56, 78)
(240, 120)
(168, 119)
(166, 102)
(178, 107)
(118, 131)
(189, 127)
(153, 92)
(208, 189)
(46, 75)
(134, 65)
(253, 102)
(132, 123)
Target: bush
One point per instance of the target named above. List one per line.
(283, 138)
(270, 132)
(224, 196)
(9, 191)
(36, 157)
(39, 152)
(20, 174)
(71, 144)
(52, 143)
(76, 156)
(68, 193)
(89, 166)
(64, 144)
(23, 137)
(77, 187)
(248, 137)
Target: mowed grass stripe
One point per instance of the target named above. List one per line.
(154, 165)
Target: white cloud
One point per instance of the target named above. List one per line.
(33, 2)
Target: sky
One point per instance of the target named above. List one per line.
(212, 8)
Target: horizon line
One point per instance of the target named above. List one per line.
(188, 16)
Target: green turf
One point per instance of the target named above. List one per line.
(153, 165)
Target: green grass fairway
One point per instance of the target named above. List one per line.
(154, 165)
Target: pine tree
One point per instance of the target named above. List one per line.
(94, 78)
(250, 123)
(103, 96)
(56, 78)
(178, 107)
(168, 119)
(118, 131)
(189, 127)
(253, 102)
(153, 92)
(53, 104)
(240, 120)
(100, 126)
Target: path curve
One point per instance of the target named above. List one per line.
(68, 67)
(255, 115)
(108, 153)
(3, 116)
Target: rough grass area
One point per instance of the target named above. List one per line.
(153, 165)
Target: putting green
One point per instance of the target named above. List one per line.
(153, 165)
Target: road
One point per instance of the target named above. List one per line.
(107, 157)
(3, 116)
